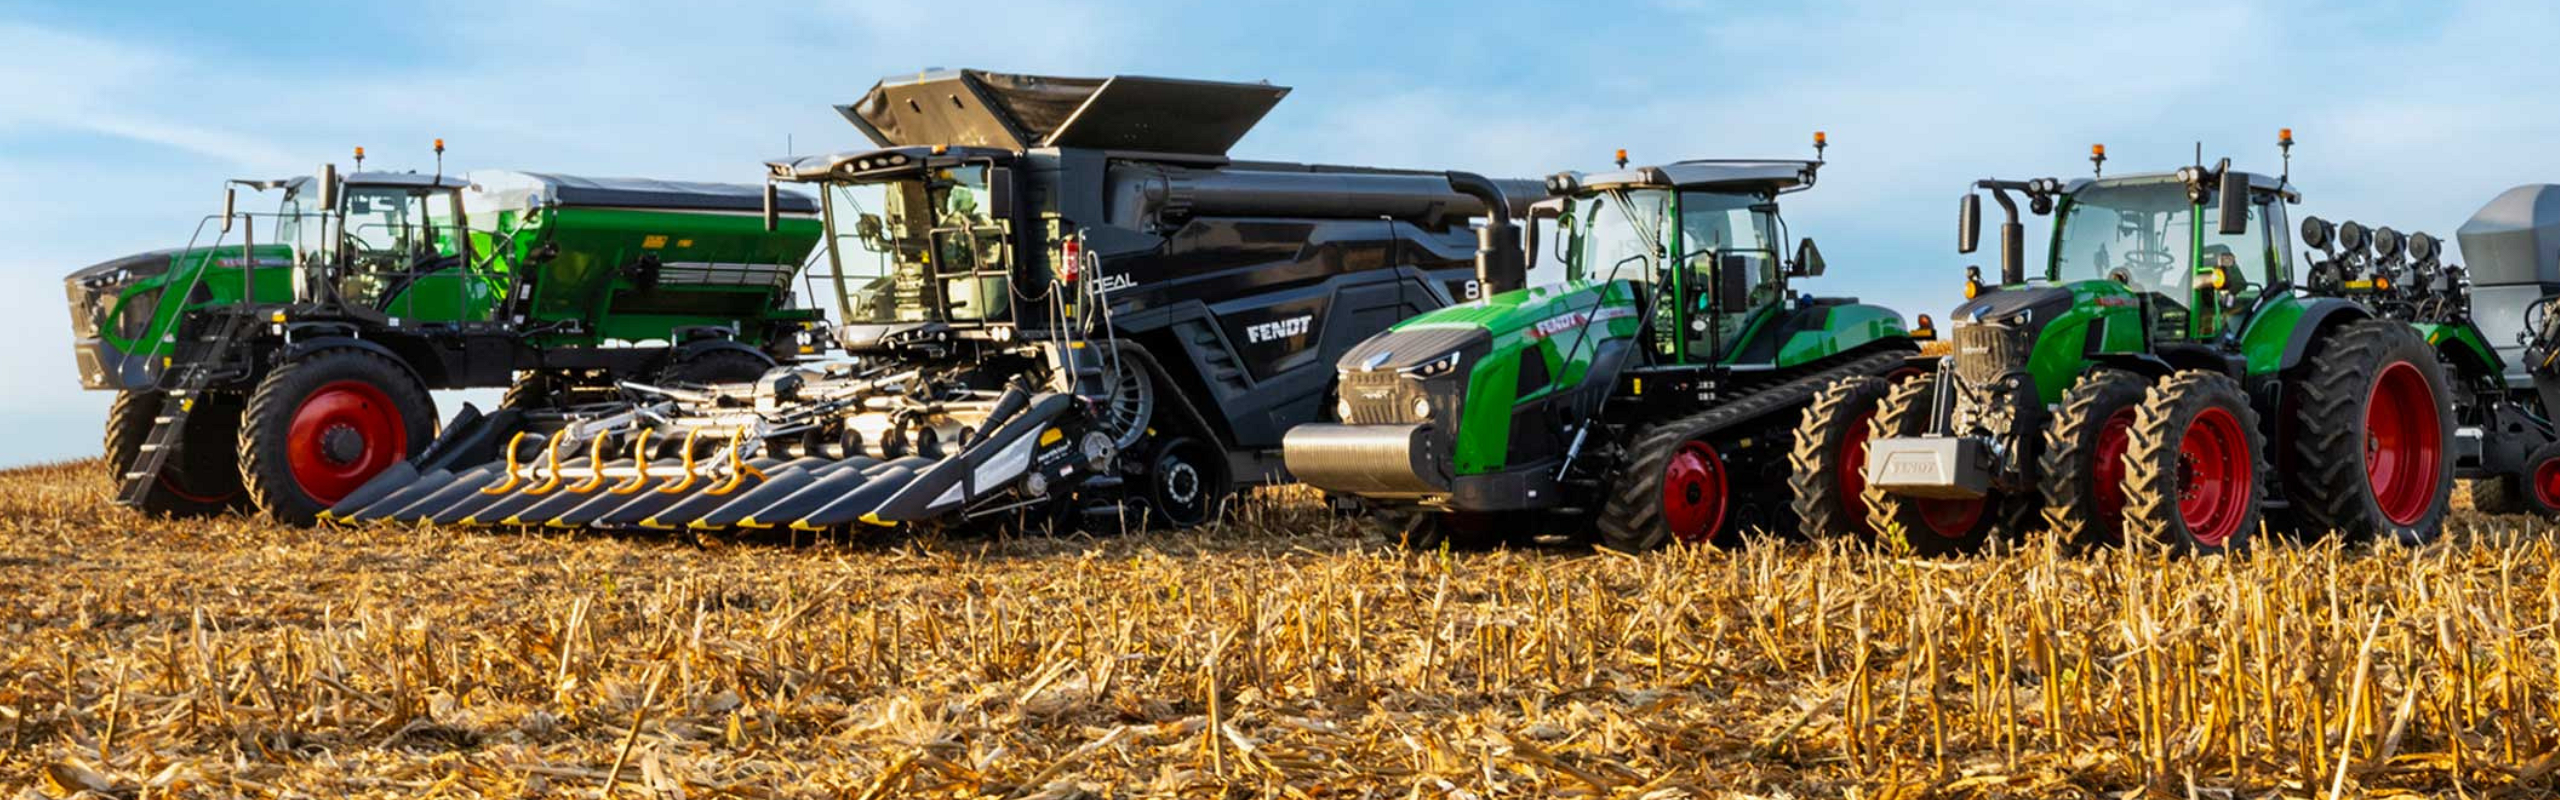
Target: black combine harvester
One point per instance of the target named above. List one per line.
(1058, 298)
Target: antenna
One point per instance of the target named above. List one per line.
(2284, 142)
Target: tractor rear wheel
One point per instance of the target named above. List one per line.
(2192, 477)
(319, 427)
(1934, 526)
(202, 478)
(2372, 438)
(2083, 463)
(1828, 475)
(1674, 487)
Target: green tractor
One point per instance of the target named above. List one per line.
(2166, 377)
(1653, 389)
(283, 373)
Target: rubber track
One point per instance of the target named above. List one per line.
(2065, 476)
(1631, 521)
(2151, 469)
(1811, 479)
(2329, 449)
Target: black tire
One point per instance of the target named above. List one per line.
(2083, 495)
(2354, 368)
(533, 390)
(1186, 482)
(2500, 494)
(369, 414)
(2187, 437)
(200, 479)
(1934, 527)
(1638, 518)
(1830, 452)
(715, 365)
(2538, 489)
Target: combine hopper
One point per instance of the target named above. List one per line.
(808, 448)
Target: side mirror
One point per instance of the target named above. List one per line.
(2234, 203)
(1969, 223)
(1000, 192)
(329, 187)
(1809, 258)
(772, 207)
(1733, 284)
(230, 206)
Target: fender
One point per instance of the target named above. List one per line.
(2282, 334)
(332, 338)
(2462, 348)
(2143, 364)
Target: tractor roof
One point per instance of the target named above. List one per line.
(1774, 176)
(976, 108)
(405, 179)
(2257, 182)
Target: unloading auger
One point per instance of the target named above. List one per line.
(809, 448)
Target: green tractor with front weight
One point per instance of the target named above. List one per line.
(1651, 391)
(2166, 378)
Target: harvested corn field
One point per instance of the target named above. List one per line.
(1282, 653)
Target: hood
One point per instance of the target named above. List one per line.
(1537, 311)
(2015, 306)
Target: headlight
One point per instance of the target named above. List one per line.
(1421, 408)
(1433, 368)
(1342, 410)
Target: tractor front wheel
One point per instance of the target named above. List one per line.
(1932, 526)
(319, 427)
(1829, 461)
(2083, 464)
(202, 478)
(2372, 436)
(2192, 474)
(2540, 482)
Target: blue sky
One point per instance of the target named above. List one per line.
(119, 120)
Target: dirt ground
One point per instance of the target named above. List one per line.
(1284, 652)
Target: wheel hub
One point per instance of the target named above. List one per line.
(341, 444)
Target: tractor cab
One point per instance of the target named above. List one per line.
(919, 241)
(391, 246)
(1705, 233)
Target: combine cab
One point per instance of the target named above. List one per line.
(1058, 298)
(283, 374)
(1651, 392)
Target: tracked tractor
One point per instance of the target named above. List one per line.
(282, 373)
(2168, 375)
(1649, 395)
(1060, 302)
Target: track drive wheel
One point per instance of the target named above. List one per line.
(1827, 474)
(1934, 526)
(319, 427)
(2082, 470)
(1674, 487)
(2372, 439)
(2193, 475)
(2538, 489)
(1186, 481)
(202, 477)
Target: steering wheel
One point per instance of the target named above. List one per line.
(2154, 260)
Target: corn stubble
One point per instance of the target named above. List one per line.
(1282, 653)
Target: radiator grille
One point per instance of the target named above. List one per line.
(1378, 398)
(1986, 352)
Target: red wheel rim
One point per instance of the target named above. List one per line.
(2546, 483)
(2214, 474)
(1693, 492)
(342, 435)
(2114, 436)
(2402, 453)
(1853, 469)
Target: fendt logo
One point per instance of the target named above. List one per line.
(1915, 468)
(1260, 332)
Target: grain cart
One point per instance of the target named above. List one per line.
(1652, 390)
(2506, 443)
(2144, 384)
(1060, 298)
(284, 373)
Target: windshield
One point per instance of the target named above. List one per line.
(2138, 234)
(1616, 235)
(921, 249)
(390, 236)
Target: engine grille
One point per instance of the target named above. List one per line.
(1986, 352)
(1378, 398)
